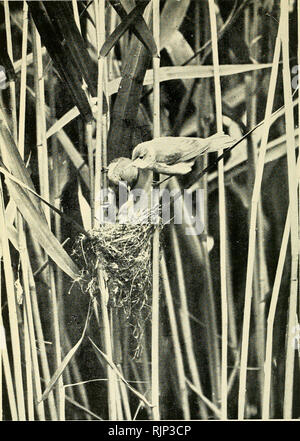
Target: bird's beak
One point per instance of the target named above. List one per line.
(141, 163)
(131, 164)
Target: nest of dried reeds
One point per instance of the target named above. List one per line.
(124, 253)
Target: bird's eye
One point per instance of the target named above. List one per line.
(142, 156)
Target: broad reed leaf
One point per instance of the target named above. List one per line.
(139, 28)
(62, 15)
(184, 73)
(28, 204)
(68, 219)
(85, 210)
(60, 54)
(179, 51)
(40, 229)
(14, 163)
(125, 109)
(127, 21)
(74, 156)
(187, 72)
(171, 18)
(63, 121)
(65, 141)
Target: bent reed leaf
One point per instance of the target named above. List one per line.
(113, 39)
(139, 28)
(59, 53)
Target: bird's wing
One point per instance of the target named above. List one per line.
(191, 148)
(172, 150)
(181, 168)
(170, 158)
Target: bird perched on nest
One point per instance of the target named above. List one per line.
(176, 155)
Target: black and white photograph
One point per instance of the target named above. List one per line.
(149, 214)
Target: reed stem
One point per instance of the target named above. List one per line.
(156, 241)
(222, 213)
(293, 198)
(252, 233)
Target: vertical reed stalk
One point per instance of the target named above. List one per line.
(100, 183)
(124, 397)
(88, 130)
(28, 365)
(40, 119)
(76, 14)
(275, 293)
(57, 185)
(292, 178)
(185, 323)
(12, 85)
(29, 322)
(92, 187)
(57, 190)
(89, 143)
(22, 111)
(2, 340)
(44, 187)
(7, 373)
(13, 109)
(260, 283)
(12, 310)
(112, 410)
(156, 257)
(209, 301)
(119, 402)
(183, 393)
(117, 357)
(146, 373)
(222, 211)
(57, 343)
(272, 312)
(100, 31)
(20, 225)
(252, 233)
(40, 340)
(111, 26)
(298, 20)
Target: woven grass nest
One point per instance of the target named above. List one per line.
(124, 253)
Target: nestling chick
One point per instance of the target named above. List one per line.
(122, 169)
(176, 155)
